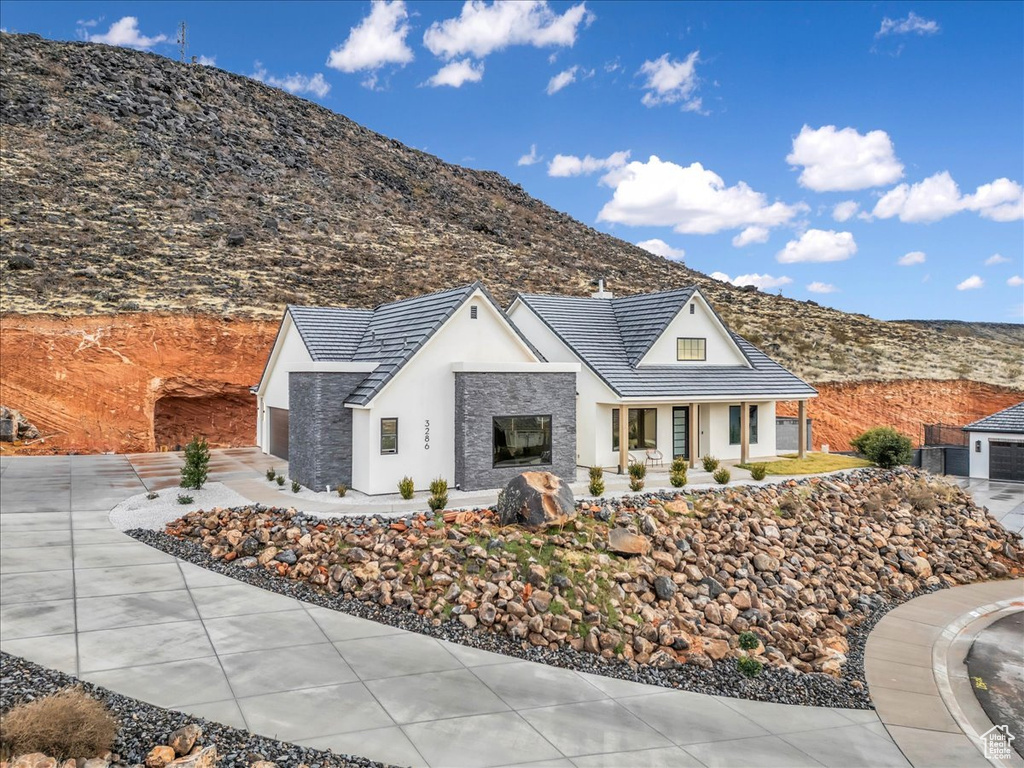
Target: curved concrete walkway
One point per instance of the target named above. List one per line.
(914, 663)
(80, 596)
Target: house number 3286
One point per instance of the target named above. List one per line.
(426, 435)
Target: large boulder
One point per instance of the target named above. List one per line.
(536, 500)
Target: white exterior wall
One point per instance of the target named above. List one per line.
(979, 459)
(424, 391)
(702, 324)
(289, 353)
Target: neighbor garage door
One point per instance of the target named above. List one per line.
(1005, 460)
(279, 432)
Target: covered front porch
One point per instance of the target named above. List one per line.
(658, 431)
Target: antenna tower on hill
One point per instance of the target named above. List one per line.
(182, 41)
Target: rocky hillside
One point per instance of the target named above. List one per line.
(130, 182)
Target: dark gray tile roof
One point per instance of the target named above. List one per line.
(388, 335)
(612, 335)
(1007, 420)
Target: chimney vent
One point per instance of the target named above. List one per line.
(601, 293)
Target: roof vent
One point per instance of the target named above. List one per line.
(601, 293)
(473, 311)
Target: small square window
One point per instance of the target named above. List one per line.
(388, 436)
(691, 349)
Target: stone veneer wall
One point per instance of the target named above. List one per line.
(320, 428)
(479, 397)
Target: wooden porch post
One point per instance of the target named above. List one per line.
(623, 438)
(744, 432)
(801, 431)
(694, 439)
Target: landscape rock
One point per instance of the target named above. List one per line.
(535, 501)
(624, 542)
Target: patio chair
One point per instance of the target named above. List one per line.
(654, 457)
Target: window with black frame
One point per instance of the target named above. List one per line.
(643, 429)
(521, 441)
(388, 436)
(734, 424)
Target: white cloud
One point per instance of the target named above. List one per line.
(818, 245)
(819, 287)
(912, 258)
(913, 24)
(125, 32)
(843, 160)
(763, 282)
(1015, 281)
(995, 258)
(669, 82)
(970, 283)
(457, 73)
(660, 248)
(570, 165)
(297, 83)
(376, 41)
(208, 61)
(562, 79)
(692, 200)
(481, 28)
(845, 210)
(751, 235)
(938, 196)
(531, 158)
(88, 22)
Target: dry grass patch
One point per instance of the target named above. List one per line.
(67, 724)
(811, 464)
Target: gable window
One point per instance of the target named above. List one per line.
(735, 430)
(691, 349)
(388, 436)
(643, 429)
(521, 441)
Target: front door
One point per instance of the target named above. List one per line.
(681, 431)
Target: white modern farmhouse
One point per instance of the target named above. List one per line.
(448, 385)
(996, 445)
(441, 385)
(663, 370)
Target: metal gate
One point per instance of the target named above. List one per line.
(1005, 460)
(278, 432)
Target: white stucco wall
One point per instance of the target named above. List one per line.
(424, 391)
(702, 324)
(289, 353)
(979, 459)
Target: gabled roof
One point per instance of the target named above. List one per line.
(608, 336)
(1007, 420)
(389, 334)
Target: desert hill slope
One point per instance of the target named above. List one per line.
(131, 182)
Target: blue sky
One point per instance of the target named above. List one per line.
(806, 147)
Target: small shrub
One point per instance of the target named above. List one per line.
(280, 480)
(710, 463)
(884, 446)
(637, 473)
(636, 484)
(722, 475)
(759, 471)
(438, 494)
(295, 486)
(748, 641)
(197, 462)
(749, 666)
(679, 464)
(341, 488)
(596, 487)
(67, 724)
(677, 478)
(406, 487)
(271, 474)
(185, 498)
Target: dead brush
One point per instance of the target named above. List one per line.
(922, 497)
(66, 724)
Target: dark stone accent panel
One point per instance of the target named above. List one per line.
(479, 397)
(320, 428)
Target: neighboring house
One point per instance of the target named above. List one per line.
(996, 445)
(663, 370)
(441, 385)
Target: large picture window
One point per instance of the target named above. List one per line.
(691, 349)
(643, 429)
(735, 430)
(521, 441)
(388, 436)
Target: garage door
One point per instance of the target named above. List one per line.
(279, 432)
(1005, 460)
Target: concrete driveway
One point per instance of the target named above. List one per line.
(1005, 501)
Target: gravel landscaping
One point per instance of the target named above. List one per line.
(143, 725)
(808, 566)
(148, 510)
